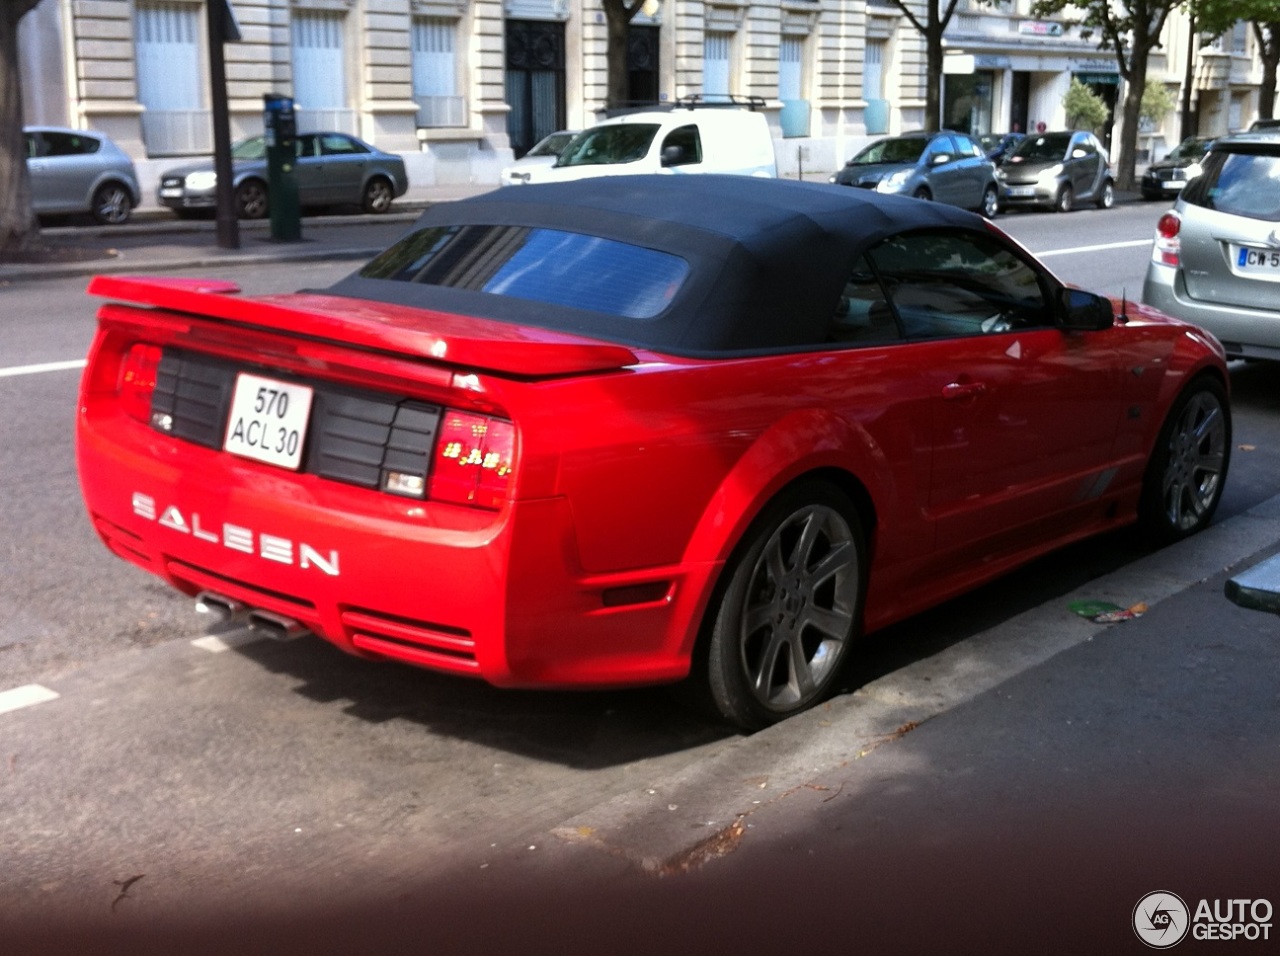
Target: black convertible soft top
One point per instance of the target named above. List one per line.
(767, 258)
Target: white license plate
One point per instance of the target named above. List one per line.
(268, 420)
(1257, 260)
(172, 192)
(1022, 190)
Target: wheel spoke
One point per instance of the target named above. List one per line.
(835, 623)
(802, 675)
(841, 557)
(767, 663)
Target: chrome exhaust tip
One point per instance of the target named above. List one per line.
(276, 626)
(226, 610)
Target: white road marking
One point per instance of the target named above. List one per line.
(16, 370)
(1131, 244)
(27, 696)
(216, 645)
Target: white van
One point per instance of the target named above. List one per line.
(693, 137)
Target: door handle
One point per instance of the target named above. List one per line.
(957, 391)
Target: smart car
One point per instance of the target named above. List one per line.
(640, 430)
(1058, 171)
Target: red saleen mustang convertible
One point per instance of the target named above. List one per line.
(616, 431)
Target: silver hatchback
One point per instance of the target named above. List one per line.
(75, 170)
(1216, 257)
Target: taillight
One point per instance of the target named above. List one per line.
(1168, 247)
(473, 460)
(138, 380)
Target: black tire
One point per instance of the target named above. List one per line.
(789, 607)
(1188, 465)
(251, 199)
(1107, 198)
(1065, 200)
(112, 204)
(378, 195)
(923, 193)
(990, 201)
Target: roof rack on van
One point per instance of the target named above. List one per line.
(720, 100)
(693, 102)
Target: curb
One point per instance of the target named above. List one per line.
(675, 825)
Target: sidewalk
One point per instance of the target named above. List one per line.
(157, 240)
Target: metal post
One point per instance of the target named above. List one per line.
(218, 14)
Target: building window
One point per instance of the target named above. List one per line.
(794, 117)
(319, 72)
(876, 116)
(717, 56)
(435, 72)
(167, 47)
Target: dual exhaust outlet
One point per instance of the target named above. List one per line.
(277, 627)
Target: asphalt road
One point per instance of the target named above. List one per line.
(995, 763)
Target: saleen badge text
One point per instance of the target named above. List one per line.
(269, 547)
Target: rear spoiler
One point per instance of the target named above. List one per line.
(422, 334)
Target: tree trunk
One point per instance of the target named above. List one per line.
(1268, 37)
(1188, 78)
(933, 69)
(1132, 113)
(19, 228)
(618, 14)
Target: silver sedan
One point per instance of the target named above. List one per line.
(333, 169)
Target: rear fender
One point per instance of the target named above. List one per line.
(807, 441)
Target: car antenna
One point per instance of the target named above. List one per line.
(1124, 308)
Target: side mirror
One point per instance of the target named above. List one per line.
(940, 158)
(672, 155)
(1078, 153)
(1085, 312)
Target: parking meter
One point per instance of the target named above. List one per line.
(281, 133)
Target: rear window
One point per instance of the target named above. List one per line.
(538, 265)
(1240, 182)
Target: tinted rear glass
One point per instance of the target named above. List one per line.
(540, 265)
(1244, 183)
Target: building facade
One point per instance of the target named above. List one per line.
(461, 86)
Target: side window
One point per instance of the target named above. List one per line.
(939, 146)
(333, 145)
(968, 147)
(863, 315)
(68, 144)
(948, 284)
(687, 141)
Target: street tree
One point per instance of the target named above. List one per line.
(937, 17)
(1216, 17)
(618, 15)
(1130, 29)
(19, 228)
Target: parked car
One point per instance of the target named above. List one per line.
(76, 171)
(1059, 170)
(545, 152)
(333, 169)
(1216, 256)
(947, 167)
(1262, 124)
(609, 432)
(1166, 177)
(999, 145)
(693, 137)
